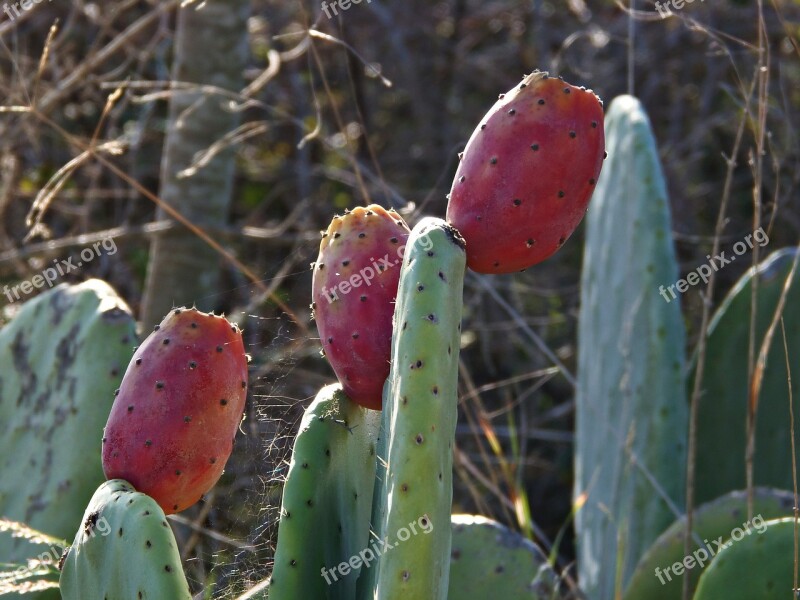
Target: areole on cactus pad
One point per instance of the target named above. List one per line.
(171, 429)
(527, 173)
(354, 288)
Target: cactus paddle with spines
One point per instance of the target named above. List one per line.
(354, 287)
(758, 565)
(710, 522)
(488, 560)
(631, 410)
(419, 418)
(124, 549)
(527, 173)
(62, 357)
(722, 413)
(326, 500)
(171, 429)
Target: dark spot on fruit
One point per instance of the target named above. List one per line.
(493, 160)
(419, 439)
(130, 408)
(116, 392)
(119, 533)
(534, 147)
(483, 126)
(321, 266)
(177, 471)
(104, 440)
(192, 364)
(594, 124)
(605, 155)
(405, 400)
(462, 179)
(138, 361)
(304, 465)
(592, 181)
(244, 384)
(496, 263)
(223, 402)
(517, 201)
(405, 324)
(566, 90)
(327, 451)
(330, 340)
(501, 96)
(435, 390)
(530, 242)
(420, 287)
(146, 513)
(572, 134)
(355, 336)
(174, 507)
(479, 218)
(159, 385)
(219, 348)
(293, 562)
(560, 193)
(194, 325)
(187, 419)
(418, 364)
(521, 86)
(167, 568)
(212, 460)
(310, 502)
(442, 277)
(404, 487)
(541, 101)
(499, 569)
(148, 544)
(337, 235)
(177, 311)
(430, 252)
(148, 443)
(363, 298)
(166, 341)
(440, 476)
(362, 235)
(432, 318)
(561, 240)
(393, 240)
(157, 327)
(345, 263)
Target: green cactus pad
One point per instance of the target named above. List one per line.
(62, 356)
(414, 491)
(488, 560)
(124, 549)
(711, 521)
(757, 566)
(723, 403)
(631, 396)
(326, 501)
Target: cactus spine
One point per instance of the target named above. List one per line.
(631, 392)
(326, 500)
(419, 417)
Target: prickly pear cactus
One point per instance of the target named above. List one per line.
(124, 548)
(414, 490)
(527, 173)
(755, 565)
(488, 560)
(355, 283)
(713, 521)
(62, 357)
(326, 504)
(723, 404)
(172, 426)
(631, 398)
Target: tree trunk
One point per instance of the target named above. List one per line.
(211, 48)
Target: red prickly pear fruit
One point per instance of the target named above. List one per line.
(171, 428)
(527, 174)
(354, 288)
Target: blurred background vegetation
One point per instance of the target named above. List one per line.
(372, 105)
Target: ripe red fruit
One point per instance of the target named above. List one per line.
(171, 428)
(354, 288)
(527, 173)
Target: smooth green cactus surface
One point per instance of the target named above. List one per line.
(631, 418)
(62, 356)
(124, 549)
(755, 565)
(720, 467)
(488, 560)
(327, 500)
(654, 578)
(419, 418)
